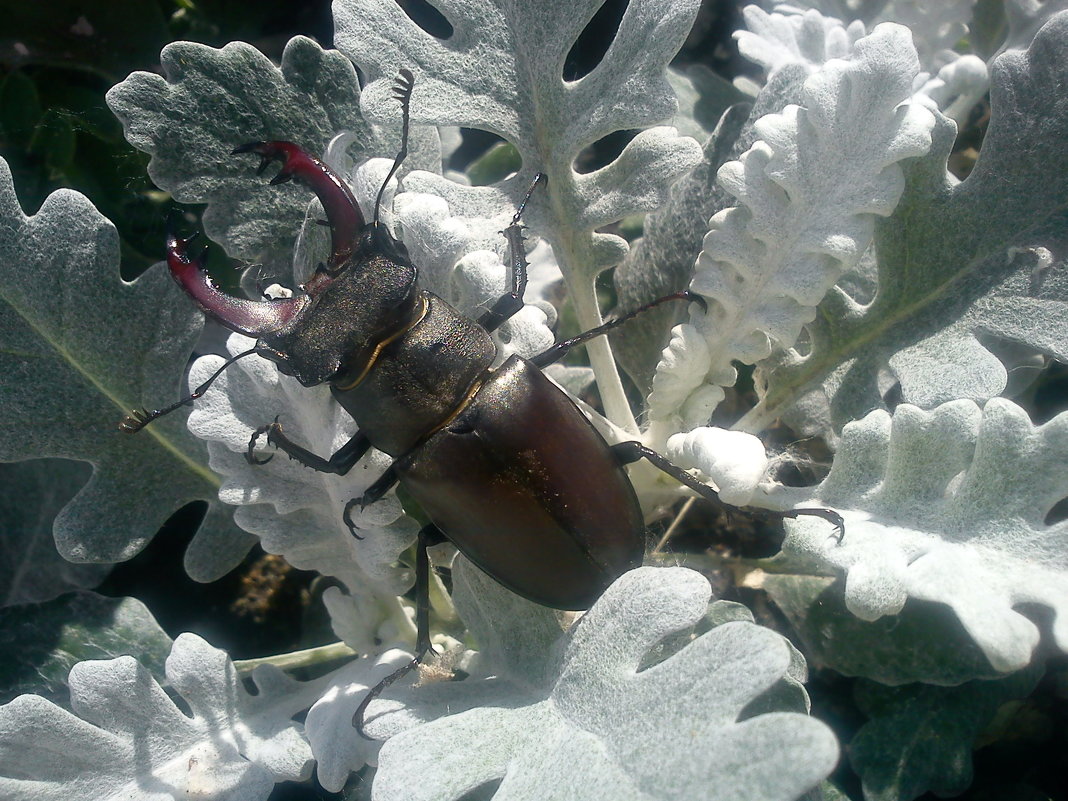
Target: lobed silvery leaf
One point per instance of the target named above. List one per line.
(129, 740)
(807, 38)
(499, 73)
(810, 39)
(43, 641)
(809, 193)
(208, 101)
(950, 506)
(590, 738)
(964, 268)
(662, 261)
(338, 747)
(296, 511)
(936, 27)
(958, 86)
(71, 373)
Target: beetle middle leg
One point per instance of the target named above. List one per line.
(629, 452)
(429, 535)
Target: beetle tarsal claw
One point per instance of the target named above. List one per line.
(250, 455)
(346, 517)
(134, 421)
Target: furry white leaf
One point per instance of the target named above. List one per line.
(963, 266)
(950, 505)
(590, 738)
(809, 39)
(733, 460)
(809, 192)
(338, 747)
(935, 27)
(129, 741)
(297, 512)
(208, 101)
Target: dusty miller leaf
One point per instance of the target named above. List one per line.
(955, 277)
(808, 195)
(950, 505)
(128, 739)
(69, 373)
(590, 738)
(208, 102)
(497, 72)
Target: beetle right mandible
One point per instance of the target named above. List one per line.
(501, 461)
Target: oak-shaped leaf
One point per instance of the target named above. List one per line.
(951, 506)
(82, 348)
(624, 721)
(129, 740)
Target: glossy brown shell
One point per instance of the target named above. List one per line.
(526, 488)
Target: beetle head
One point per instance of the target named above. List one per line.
(322, 332)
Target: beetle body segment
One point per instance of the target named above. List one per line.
(419, 378)
(526, 488)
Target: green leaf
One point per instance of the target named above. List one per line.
(20, 108)
(42, 642)
(920, 738)
(53, 140)
(31, 568)
(81, 349)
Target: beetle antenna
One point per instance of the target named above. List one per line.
(402, 91)
(140, 418)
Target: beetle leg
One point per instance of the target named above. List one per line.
(428, 535)
(373, 493)
(628, 452)
(340, 462)
(560, 349)
(508, 305)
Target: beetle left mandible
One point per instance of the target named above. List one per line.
(501, 461)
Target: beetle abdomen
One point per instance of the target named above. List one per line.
(526, 488)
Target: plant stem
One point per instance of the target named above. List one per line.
(297, 659)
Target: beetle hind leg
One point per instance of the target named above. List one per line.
(428, 535)
(628, 452)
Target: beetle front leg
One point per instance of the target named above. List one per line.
(629, 452)
(429, 535)
(339, 463)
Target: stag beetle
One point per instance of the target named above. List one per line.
(502, 462)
